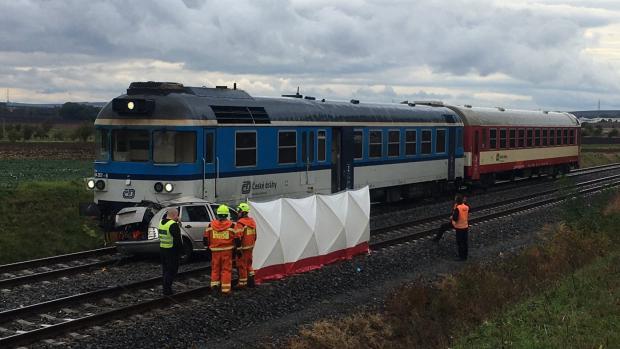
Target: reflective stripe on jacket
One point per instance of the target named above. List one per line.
(462, 220)
(246, 231)
(165, 238)
(221, 235)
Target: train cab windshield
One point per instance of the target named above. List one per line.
(127, 145)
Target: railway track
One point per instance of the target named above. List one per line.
(58, 317)
(56, 266)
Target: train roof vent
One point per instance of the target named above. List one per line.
(430, 103)
(467, 106)
(310, 98)
(225, 114)
(501, 109)
(545, 112)
(407, 103)
(155, 87)
(355, 101)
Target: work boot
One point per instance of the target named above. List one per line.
(251, 281)
(215, 290)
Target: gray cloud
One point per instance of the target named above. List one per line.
(537, 46)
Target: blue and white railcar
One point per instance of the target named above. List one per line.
(162, 141)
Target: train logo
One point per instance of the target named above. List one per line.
(129, 194)
(246, 187)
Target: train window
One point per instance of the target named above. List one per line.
(393, 143)
(502, 138)
(512, 136)
(311, 146)
(172, 147)
(358, 144)
(530, 134)
(320, 156)
(245, 148)
(287, 147)
(544, 137)
(375, 145)
(571, 135)
(427, 136)
(521, 138)
(410, 142)
(537, 137)
(130, 145)
(103, 144)
(565, 136)
(209, 147)
(552, 136)
(493, 138)
(440, 141)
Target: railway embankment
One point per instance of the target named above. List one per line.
(562, 291)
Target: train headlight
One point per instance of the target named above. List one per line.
(130, 105)
(158, 187)
(90, 184)
(100, 184)
(169, 187)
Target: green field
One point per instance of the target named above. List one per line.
(39, 204)
(13, 172)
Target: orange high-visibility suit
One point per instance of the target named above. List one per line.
(246, 231)
(220, 235)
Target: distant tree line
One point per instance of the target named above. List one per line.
(67, 112)
(597, 130)
(45, 132)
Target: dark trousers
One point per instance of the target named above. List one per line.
(461, 242)
(169, 267)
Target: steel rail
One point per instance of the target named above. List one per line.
(56, 259)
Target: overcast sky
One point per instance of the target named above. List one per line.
(545, 54)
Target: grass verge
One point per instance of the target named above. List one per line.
(41, 219)
(432, 316)
(599, 154)
(582, 311)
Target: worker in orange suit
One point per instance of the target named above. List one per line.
(246, 232)
(460, 222)
(219, 237)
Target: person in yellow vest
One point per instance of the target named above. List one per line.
(169, 247)
(246, 232)
(460, 216)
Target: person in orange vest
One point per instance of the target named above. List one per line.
(220, 239)
(246, 232)
(460, 216)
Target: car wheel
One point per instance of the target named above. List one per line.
(188, 249)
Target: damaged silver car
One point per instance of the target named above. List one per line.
(136, 227)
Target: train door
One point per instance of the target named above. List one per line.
(475, 156)
(451, 152)
(342, 158)
(307, 157)
(210, 166)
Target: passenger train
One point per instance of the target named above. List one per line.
(161, 141)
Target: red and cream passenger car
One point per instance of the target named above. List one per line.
(502, 143)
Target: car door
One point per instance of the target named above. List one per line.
(194, 220)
